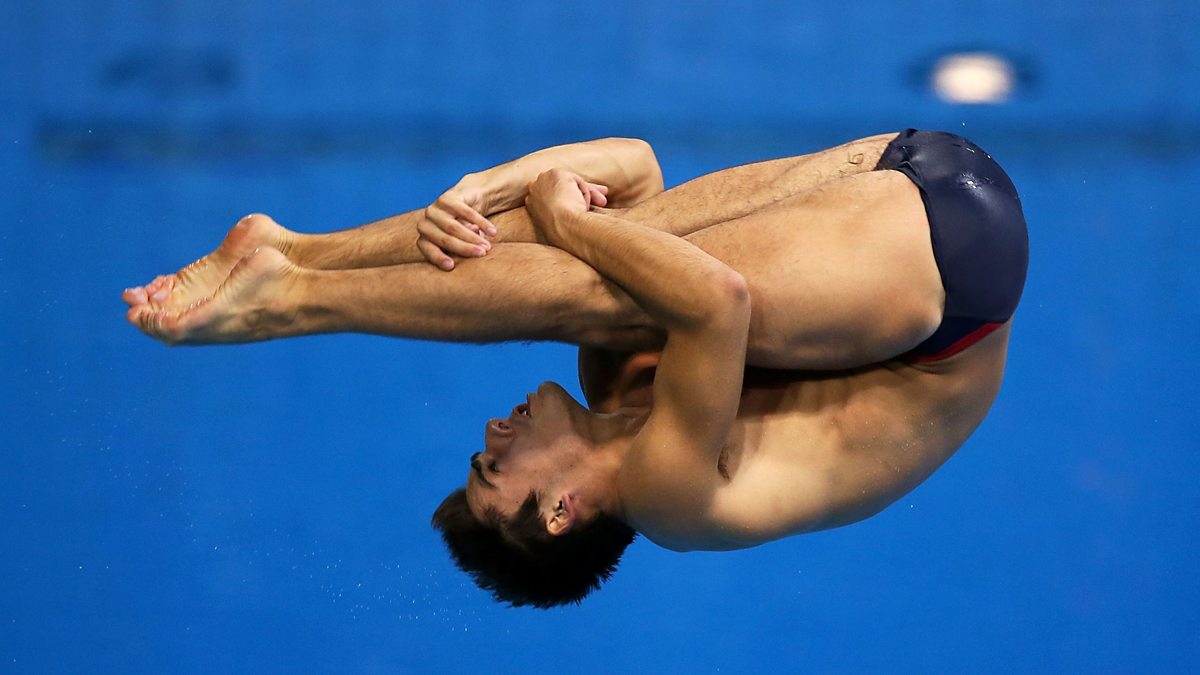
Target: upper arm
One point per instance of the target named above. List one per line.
(671, 475)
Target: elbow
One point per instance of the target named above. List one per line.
(735, 291)
(638, 158)
(735, 286)
(728, 298)
(631, 146)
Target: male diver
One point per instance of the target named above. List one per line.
(892, 265)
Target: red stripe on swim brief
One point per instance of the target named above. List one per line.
(963, 342)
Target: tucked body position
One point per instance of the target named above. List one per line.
(768, 350)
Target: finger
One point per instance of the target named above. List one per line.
(452, 227)
(448, 213)
(449, 244)
(470, 215)
(585, 190)
(471, 226)
(435, 255)
(598, 198)
(464, 233)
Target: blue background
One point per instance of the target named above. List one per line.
(264, 508)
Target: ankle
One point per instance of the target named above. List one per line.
(298, 247)
(303, 303)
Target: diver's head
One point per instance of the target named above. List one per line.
(539, 520)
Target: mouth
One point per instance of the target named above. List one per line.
(521, 410)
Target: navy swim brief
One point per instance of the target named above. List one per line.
(978, 231)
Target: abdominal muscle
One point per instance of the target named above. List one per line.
(826, 452)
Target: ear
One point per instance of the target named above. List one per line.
(562, 519)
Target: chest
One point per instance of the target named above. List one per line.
(877, 431)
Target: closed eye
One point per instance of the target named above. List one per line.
(477, 467)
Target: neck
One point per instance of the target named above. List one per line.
(610, 435)
(622, 424)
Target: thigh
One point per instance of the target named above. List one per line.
(842, 275)
(727, 194)
(738, 191)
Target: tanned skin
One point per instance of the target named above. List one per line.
(788, 266)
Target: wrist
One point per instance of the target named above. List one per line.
(483, 183)
(569, 217)
(473, 181)
(562, 221)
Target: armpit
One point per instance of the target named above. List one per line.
(611, 379)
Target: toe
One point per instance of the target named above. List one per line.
(161, 295)
(160, 289)
(169, 327)
(150, 321)
(138, 316)
(135, 296)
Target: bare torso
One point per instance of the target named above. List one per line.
(841, 273)
(812, 451)
(836, 257)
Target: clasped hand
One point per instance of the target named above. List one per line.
(557, 193)
(457, 224)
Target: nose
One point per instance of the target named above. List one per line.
(498, 436)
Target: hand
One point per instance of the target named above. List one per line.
(597, 194)
(557, 192)
(455, 224)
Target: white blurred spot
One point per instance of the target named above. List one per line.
(974, 77)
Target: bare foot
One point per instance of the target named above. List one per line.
(255, 302)
(199, 280)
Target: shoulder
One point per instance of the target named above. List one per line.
(667, 488)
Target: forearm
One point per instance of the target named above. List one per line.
(678, 284)
(626, 166)
(618, 163)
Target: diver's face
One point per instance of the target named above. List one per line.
(530, 450)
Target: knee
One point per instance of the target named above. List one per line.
(913, 320)
(883, 330)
